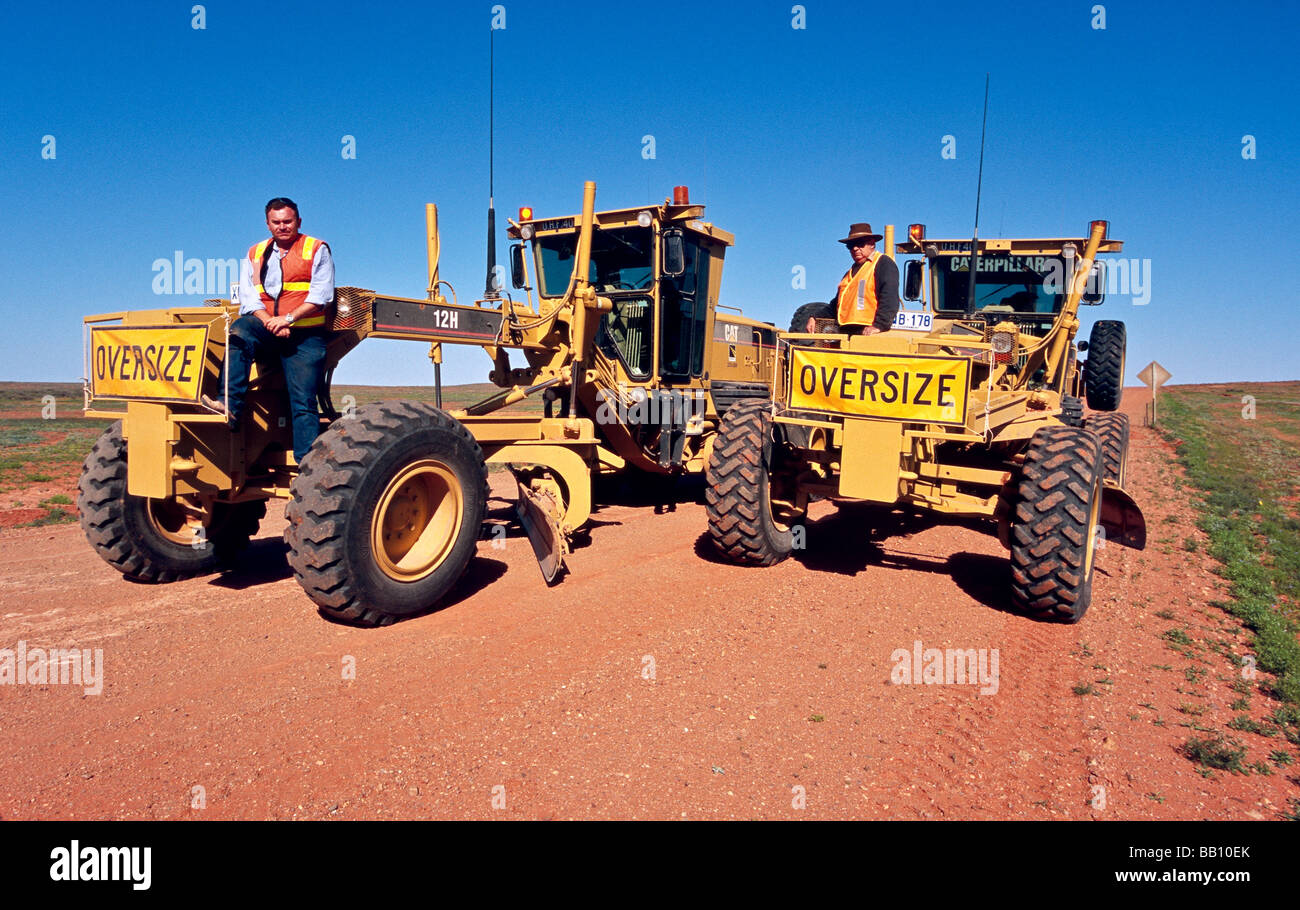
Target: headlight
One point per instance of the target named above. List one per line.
(1003, 339)
(526, 232)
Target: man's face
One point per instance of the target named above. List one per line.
(283, 224)
(860, 250)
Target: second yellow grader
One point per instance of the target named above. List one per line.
(971, 406)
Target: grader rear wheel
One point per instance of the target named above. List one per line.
(1113, 431)
(739, 499)
(386, 512)
(155, 540)
(1053, 531)
(814, 310)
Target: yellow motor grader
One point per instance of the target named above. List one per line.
(623, 342)
(969, 406)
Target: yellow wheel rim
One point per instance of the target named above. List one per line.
(1093, 514)
(416, 521)
(174, 523)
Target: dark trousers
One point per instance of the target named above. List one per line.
(302, 356)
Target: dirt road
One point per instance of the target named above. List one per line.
(652, 683)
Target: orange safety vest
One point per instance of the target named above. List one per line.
(856, 304)
(295, 279)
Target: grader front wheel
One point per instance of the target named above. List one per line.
(1103, 376)
(386, 512)
(1054, 529)
(155, 540)
(739, 496)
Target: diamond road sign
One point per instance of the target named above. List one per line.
(1154, 375)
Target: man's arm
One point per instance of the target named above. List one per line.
(887, 302)
(249, 300)
(321, 291)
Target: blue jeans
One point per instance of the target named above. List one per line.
(302, 355)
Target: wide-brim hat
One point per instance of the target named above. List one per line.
(861, 231)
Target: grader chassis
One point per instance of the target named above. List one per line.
(970, 407)
(625, 343)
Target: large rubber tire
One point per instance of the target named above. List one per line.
(1053, 532)
(386, 512)
(1113, 431)
(736, 495)
(1071, 411)
(814, 310)
(145, 539)
(1103, 377)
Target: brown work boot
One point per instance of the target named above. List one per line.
(213, 404)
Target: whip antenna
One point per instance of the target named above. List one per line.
(979, 186)
(492, 291)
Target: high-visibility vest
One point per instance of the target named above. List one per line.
(856, 304)
(295, 278)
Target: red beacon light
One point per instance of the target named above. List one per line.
(916, 232)
(681, 195)
(1105, 227)
(525, 213)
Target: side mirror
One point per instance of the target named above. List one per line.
(912, 280)
(517, 264)
(1094, 292)
(674, 253)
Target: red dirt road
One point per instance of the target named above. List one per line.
(652, 682)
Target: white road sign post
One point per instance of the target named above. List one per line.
(1154, 375)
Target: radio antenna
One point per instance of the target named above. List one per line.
(979, 186)
(492, 291)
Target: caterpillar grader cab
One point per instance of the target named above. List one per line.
(969, 407)
(623, 343)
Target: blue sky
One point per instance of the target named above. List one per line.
(168, 137)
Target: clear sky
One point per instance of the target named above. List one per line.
(167, 137)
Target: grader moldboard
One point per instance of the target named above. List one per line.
(625, 344)
(969, 407)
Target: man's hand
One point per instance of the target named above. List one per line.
(871, 330)
(277, 327)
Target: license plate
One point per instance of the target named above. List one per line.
(885, 386)
(147, 363)
(911, 321)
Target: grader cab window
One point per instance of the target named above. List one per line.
(1023, 285)
(684, 304)
(625, 332)
(621, 260)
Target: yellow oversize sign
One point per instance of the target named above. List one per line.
(154, 363)
(886, 386)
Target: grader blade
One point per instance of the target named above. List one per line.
(1122, 519)
(538, 514)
